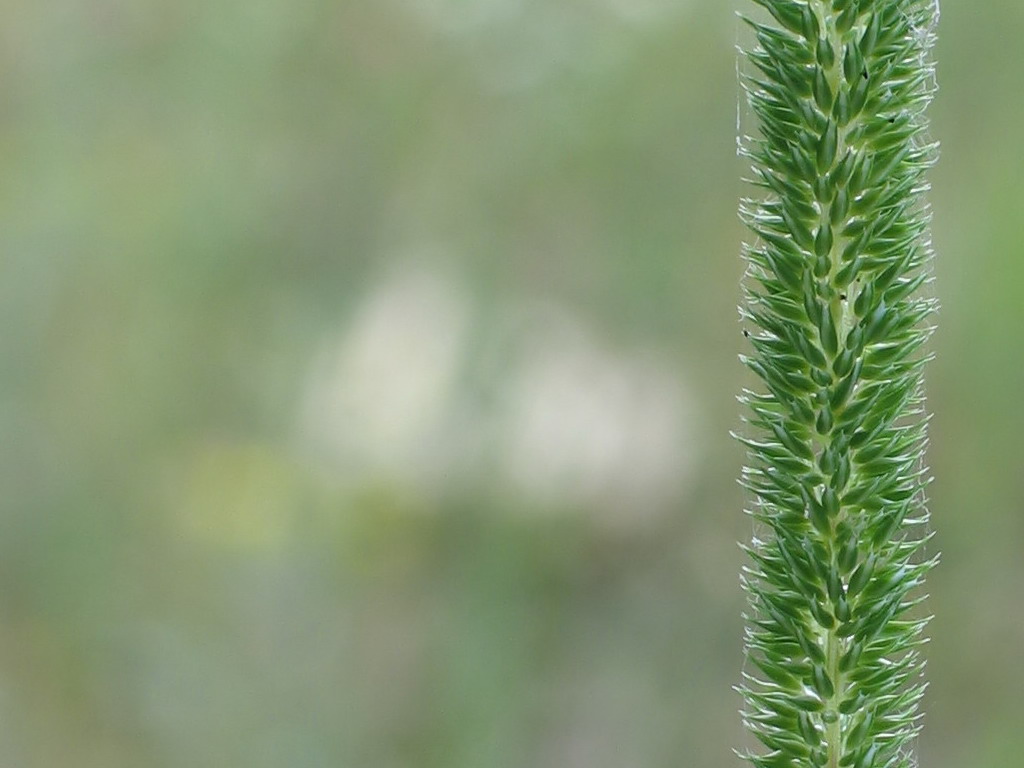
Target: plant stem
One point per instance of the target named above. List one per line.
(834, 733)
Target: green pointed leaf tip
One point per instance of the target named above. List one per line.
(837, 434)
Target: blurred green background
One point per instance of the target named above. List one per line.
(366, 373)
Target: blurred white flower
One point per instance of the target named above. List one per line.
(563, 422)
(588, 426)
(378, 400)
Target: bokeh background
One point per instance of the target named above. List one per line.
(366, 374)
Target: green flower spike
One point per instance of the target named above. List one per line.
(836, 434)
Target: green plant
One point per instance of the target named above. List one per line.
(837, 437)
